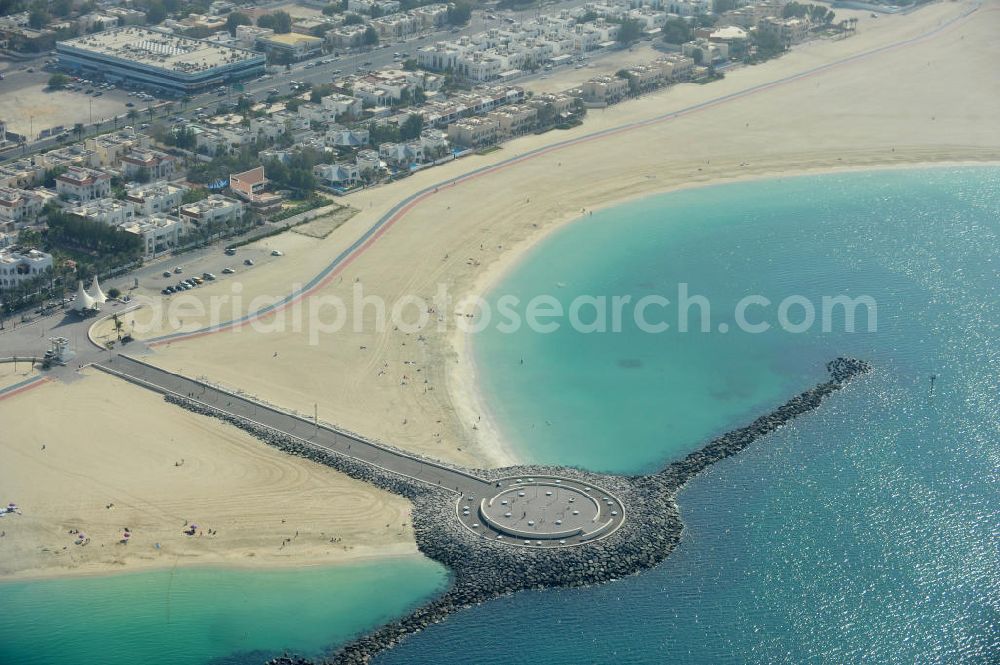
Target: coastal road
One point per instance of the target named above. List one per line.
(316, 434)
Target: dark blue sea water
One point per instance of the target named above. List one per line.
(865, 532)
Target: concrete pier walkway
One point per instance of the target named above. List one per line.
(319, 435)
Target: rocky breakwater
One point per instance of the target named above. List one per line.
(485, 569)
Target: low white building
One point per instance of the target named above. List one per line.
(16, 206)
(434, 142)
(340, 104)
(155, 164)
(401, 154)
(83, 184)
(156, 197)
(349, 138)
(368, 161)
(337, 175)
(18, 266)
(159, 232)
(247, 35)
(106, 211)
(213, 210)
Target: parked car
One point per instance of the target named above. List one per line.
(230, 251)
(166, 273)
(178, 270)
(275, 252)
(209, 276)
(228, 271)
(248, 262)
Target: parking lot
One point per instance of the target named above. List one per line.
(29, 107)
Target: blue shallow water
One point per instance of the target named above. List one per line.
(194, 616)
(865, 532)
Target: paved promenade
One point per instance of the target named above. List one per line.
(321, 436)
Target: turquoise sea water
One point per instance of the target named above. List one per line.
(195, 616)
(866, 531)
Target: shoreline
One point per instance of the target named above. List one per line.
(103, 570)
(464, 385)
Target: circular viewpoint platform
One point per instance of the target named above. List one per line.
(542, 511)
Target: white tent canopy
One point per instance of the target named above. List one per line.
(96, 293)
(83, 300)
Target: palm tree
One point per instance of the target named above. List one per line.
(78, 129)
(132, 114)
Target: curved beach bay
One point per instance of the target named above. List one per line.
(862, 531)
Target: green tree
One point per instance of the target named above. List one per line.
(411, 127)
(382, 133)
(194, 195)
(353, 19)
(244, 104)
(280, 22)
(235, 20)
(50, 175)
(61, 8)
(698, 56)
(371, 37)
(676, 31)
(58, 81)
(318, 92)
(459, 13)
(768, 45)
(38, 18)
(629, 31)
(155, 12)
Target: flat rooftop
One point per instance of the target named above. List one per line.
(292, 39)
(156, 49)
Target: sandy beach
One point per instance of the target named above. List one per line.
(113, 456)
(11, 373)
(925, 101)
